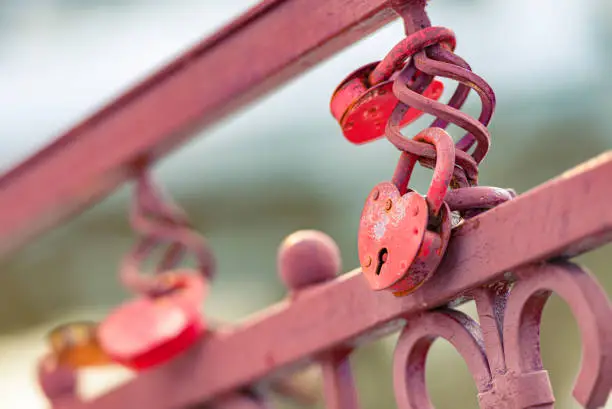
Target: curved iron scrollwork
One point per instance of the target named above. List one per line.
(502, 350)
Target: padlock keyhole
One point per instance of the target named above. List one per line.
(382, 259)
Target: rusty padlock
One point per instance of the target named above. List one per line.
(154, 328)
(402, 235)
(363, 102)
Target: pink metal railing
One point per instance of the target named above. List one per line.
(344, 312)
(507, 253)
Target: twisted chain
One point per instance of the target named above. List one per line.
(438, 60)
(159, 221)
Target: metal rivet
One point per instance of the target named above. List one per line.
(376, 194)
(368, 262)
(388, 204)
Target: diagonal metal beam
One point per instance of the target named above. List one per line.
(563, 217)
(240, 63)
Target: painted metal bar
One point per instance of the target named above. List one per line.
(235, 66)
(564, 217)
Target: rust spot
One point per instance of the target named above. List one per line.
(466, 227)
(402, 293)
(476, 224)
(388, 204)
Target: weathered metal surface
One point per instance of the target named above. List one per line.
(346, 312)
(164, 110)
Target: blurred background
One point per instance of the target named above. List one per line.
(281, 164)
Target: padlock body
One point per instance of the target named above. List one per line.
(363, 111)
(391, 230)
(149, 331)
(397, 227)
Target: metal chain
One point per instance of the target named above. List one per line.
(438, 60)
(161, 222)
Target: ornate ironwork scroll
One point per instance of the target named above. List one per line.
(502, 350)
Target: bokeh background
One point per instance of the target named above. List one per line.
(280, 165)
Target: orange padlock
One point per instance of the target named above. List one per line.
(76, 345)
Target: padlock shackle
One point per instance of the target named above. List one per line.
(443, 170)
(408, 47)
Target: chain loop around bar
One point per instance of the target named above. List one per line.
(476, 129)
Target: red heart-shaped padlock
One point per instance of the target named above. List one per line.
(392, 230)
(151, 330)
(403, 236)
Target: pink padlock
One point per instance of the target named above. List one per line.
(154, 328)
(403, 236)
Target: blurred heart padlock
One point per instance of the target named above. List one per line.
(403, 236)
(157, 326)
